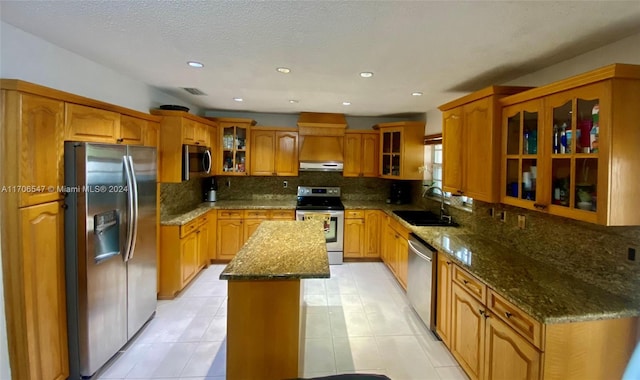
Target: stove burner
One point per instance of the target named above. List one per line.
(319, 198)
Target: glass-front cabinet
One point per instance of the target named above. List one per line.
(234, 134)
(574, 123)
(521, 142)
(571, 148)
(401, 149)
(391, 152)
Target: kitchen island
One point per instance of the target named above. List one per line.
(264, 321)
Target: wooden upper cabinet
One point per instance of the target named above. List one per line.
(189, 131)
(202, 135)
(401, 149)
(586, 157)
(152, 134)
(452, 150)
(361, 156)
(471, 136)
(286, 153)
(132, 130)
(274, 152)
(43, 283)
(35, 124)
(90, 124)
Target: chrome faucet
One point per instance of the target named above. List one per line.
(443, 214)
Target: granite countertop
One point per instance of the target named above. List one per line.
(203, 208)
(281, 250)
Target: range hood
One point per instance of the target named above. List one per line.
(321, 141)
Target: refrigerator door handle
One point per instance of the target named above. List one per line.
(207, 165)
(134, 197)
(130, 208)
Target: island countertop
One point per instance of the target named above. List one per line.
(281, 250)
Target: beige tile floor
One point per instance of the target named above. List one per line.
(358, 321)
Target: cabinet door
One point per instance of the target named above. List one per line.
(189, 131)
(452, 150)
(479, 166)
(370, 155)
(152, 135)
(263, 153)
(372, 233)
(230, 238)
(213, 246)
(391, 153)
(286, 160)
(41, 150)
(443, 300)
(508, 355)
(353, 237)
(90, 124)
(189, 252)
(202, 134)
(388, 246)
(352, 155)
(132, 130)
(44, 291)
(203, 245)
(402, 254)
(467, 331)
(250, 226)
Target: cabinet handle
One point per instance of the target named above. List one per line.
(448, 262)
(465, 282)
(64, 206)
(119, 140)
(539, 206)
(483, 313)
(197, 143)
(507, 314)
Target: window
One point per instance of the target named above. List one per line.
(434, 162)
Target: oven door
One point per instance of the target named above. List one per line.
(334, 231)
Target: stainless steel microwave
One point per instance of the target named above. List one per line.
(196, 161)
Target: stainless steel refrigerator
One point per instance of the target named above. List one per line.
(110, 249)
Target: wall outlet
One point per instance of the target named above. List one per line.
(503, 216)
(228, 183)
(285, 184)
(492, 212)
(631, 253)
(521, 222)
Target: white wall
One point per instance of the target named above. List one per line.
(32, 59)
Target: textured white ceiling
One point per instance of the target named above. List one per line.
(439, 48)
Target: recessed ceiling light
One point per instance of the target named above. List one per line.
(195, 64)
(238, 99)
(293, 101)
(366, 74)
(416, 93)
(283, 70)
(346, 103)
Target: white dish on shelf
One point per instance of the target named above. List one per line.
(585, 205)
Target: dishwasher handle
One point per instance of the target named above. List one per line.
(413, 249)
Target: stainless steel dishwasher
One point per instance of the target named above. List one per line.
(420, 279)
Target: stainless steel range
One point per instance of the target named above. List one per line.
(324, 200)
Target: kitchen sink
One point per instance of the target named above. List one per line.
(423, 218)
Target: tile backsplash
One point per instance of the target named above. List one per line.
(591, 252)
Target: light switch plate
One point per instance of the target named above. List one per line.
(521, 220)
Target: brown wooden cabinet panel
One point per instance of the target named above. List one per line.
(286, 159)
(250, 226)
(370, 155)
(467, 331)
(230, 237)
(40, 148)
(189, 131)
(132, 130)
(443, 299)
(353, 237)
(152, 135)
(43, 279)
(452, 136)
(352, 154)
(402, 254)
(401, 149)
(508, 355)
(204, 241)
(189, 252)
(373, 221)
(263, 152)
(479, 150)
(90, 124)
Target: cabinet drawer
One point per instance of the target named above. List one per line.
(230, 214)
(283, 214)
(187, 228)
(521, 322)
(471, 284)
(203, 219)
(354, 214)
(256, 214)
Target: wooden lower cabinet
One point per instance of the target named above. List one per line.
(443, 299)
(353, 238)
(373, 220)
(467, 337)
(507, 355)
(184, 250)
(235, 227)
(43, 325)
(395, 250)
(493, 339)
